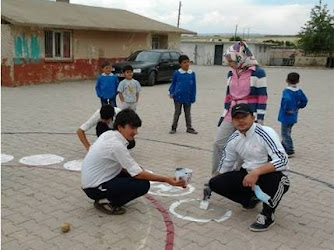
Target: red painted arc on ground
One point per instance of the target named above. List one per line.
(168, 222)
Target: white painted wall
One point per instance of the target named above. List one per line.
(205, 52)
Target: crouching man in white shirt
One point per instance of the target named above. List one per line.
(108, 170)
(265, 164)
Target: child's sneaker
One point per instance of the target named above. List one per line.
(192, 131)
(290, 155)
(262, 223)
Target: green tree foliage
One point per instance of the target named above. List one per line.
(280, 43)
(318, 33)
(237, 38)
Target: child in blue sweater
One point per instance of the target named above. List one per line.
(106, 85)
(293, 99)
(183, 91)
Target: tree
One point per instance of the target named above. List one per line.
(235, 38)
(317, 35)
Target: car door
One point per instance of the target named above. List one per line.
(175, 60)
(165, 67)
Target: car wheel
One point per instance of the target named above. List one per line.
(151, 79)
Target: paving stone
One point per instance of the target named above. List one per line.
(36, 200)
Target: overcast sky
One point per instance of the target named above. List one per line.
(282, 17)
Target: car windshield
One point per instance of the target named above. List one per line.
(145, 56)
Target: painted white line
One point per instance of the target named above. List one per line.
(174, 205)
(6, 158)
(163, 189)
(148, 231)
(41, 160)
(74, 165)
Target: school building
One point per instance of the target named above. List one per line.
(44, 41)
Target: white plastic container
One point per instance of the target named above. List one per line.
(183, 174)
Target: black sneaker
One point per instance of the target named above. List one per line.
(192, 131)
(290, 155)
(206, 192)
(252, 203)
(262, 223)
(172, 131)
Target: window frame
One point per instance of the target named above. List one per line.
(61, 57)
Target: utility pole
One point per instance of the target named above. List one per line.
(178, 16)
(235, 32)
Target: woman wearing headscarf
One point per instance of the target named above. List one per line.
(246, 83)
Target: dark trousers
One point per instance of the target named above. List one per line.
(109, 101)
(119, 190)
(230, 186)
(287, 142)
(177, 113)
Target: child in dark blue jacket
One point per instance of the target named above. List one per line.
(106, 85)
(183, 91)
(293, 99)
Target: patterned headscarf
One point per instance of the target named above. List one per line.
(241, 55)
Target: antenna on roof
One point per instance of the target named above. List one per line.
(178, 16)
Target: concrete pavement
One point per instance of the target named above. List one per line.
(42, 119)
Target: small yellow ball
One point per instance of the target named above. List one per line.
(65, 227)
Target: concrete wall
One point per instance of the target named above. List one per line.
(310, 61)
(104, 44)
(23, 54)
(199, 53)
(174, 41)
(7, 48)
(202, 53)
(293, 57)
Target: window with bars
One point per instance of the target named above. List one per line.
(58, 45)
(159, 42)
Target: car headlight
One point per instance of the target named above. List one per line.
(136, 70)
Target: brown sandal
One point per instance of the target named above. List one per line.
(107, 208)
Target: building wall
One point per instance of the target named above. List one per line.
(23, 54)
(202, 53)
(199, 53)
(261, 51)
(7, 45)
(104, 44)
(294, 57)
(174, 41)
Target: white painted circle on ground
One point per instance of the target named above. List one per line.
(6, 158)
(219, 217)
(74, 165)
(41, 160)
(164, 189)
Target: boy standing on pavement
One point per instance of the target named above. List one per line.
(254, 144)
(183, 91)
(106, 85)
(109, 171)
(129, 89)
(293, 99)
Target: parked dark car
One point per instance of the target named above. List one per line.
(150, 66)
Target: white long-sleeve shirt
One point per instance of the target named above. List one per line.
(95, 118)
(105, 160)
(260, 145)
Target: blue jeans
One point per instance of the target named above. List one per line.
(109, 101)
(286, 138)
